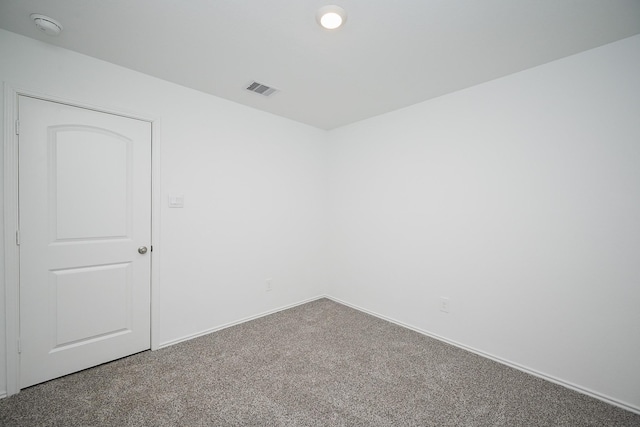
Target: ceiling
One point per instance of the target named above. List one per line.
(389, 54)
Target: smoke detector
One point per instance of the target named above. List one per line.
(47, 25)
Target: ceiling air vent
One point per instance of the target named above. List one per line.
(261, 89)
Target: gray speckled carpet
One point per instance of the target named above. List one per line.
(318, 364)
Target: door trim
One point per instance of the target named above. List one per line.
(11, 218)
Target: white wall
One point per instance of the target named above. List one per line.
(254, 187)
(518, 199)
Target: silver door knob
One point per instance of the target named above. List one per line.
(142, 250)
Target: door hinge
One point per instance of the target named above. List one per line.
(19, 346)
(151, 248)
(17, 127)
(18, 237)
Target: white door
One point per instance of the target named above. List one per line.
(84, 211)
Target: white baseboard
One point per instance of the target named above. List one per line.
(509, 363)
(3, 394)
(236, 322)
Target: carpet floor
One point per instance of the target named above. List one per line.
(318, 364)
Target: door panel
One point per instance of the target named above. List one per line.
(90, 209)
(105, 292)
(85, 208)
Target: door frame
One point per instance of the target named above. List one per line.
(11, 221)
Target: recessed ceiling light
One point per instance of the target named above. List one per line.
(47, 25)
(331, 16)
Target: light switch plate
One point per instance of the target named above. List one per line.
(176, 201)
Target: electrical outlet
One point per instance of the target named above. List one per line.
(445, 304)
(268, 288)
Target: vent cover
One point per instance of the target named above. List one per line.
(261, 89)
